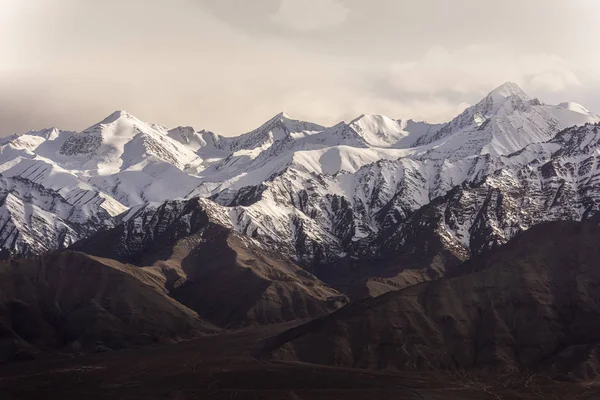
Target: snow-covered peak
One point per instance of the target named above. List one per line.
(278, 128)
(341, 134)
(369, 130)
(575, 107)
(109, 142)
(116, 115)
(283, 120)
(107, 137)
(314, 189)
(507, 90)
(505, 99)
(24, 140)
(282, 116)
(47, 133)
(196, 140)
(375, 123)
(503, 122)
(119, 124)
(131, 160)
(379, 130)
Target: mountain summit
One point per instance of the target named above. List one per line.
(504, 121)
(316, 194)
(118, 114)
(278, 128)
(509, 89)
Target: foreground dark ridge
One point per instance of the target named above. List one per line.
(227, 278)
(190, 275)
(75, 303)
(525, 314)
(531, 305)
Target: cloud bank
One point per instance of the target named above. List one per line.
(230, 65)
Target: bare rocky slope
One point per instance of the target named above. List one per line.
(530, 305)
(228, 278)
(70, 302)
(551, 181)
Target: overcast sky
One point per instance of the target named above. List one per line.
(229, 65)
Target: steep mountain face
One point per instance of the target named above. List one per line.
(529, 305)
(73, 303)
(29, 156)
(105, 145)
(152, 226)
(381, 131)
(336, 194)
(118, 163)
(209, 146)
(319, 195)
(505, 121)
(560, 183)
(132, 161)
(281, 127)
(35, 220)
(90, 178)
(551, 181)
(229, 279)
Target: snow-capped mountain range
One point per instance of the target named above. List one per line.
(317, 194)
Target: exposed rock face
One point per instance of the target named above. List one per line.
(34, 220)
(324, 204)
(229, 279)
(410, 200)
(559, 184)
(532, 304)
(70, 302)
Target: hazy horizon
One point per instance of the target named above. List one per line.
(229, 66)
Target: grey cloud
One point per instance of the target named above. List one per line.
(227, 65)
